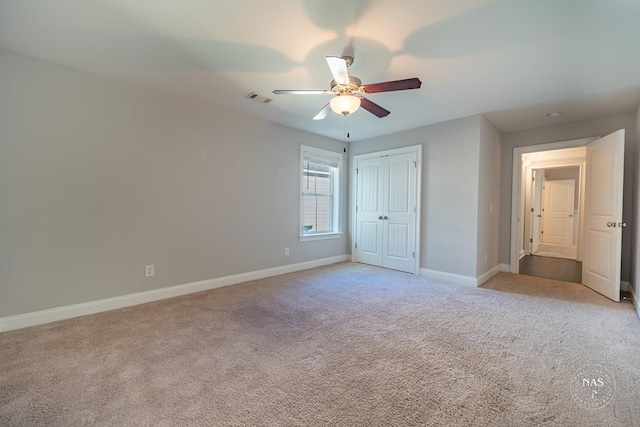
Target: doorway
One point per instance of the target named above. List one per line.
(553, 202)
(599, 216)
(387, 200)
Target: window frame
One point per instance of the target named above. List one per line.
(336, 219)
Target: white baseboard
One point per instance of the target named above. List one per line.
(458, 278)
(69, 311)
(488, 275)
(505, 268)
(448, 277)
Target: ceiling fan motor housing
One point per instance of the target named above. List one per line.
(353, 87)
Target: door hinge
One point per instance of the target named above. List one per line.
(533, 178)
(357, 171)
(414, 254)
(531, 209)
(415, 210)
(530, 240)
(541, 231)
(356, 209)
(415, 164)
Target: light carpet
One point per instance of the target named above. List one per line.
(343, 345)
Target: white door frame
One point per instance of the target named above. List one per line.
(417, 149)
(535, 215)
(514, 249)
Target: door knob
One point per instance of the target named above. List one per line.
(622, 224)
(611, 224)
(385, 217)
(380, 217)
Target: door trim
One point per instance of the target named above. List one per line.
(417, 149)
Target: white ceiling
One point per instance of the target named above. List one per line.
(513, 60)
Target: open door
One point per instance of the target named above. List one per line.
(536, 213)
(603, 215)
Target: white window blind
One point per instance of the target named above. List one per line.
(320, 191)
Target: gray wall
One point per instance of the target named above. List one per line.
(99, 178)
(488, 197)
(635, 249)
(451, 190)
(563, 132)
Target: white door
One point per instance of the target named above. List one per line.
(557, 224)
(603, 215)
(386, 211)
(369, 211)
(399, 224)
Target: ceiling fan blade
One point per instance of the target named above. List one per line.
(373, 108)
(405, 84)
(323, 113)
(338, 68)
(300, 92)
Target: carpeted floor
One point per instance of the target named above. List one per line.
(343, 345)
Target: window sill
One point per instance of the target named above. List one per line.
(320, 236)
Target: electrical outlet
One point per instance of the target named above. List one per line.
(286, 251)
(149, 271)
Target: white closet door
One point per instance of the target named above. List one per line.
(369, 211)
(399, 212)
(386, 214)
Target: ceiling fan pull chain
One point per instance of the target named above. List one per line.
(347, 127)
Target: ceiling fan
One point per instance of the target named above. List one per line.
(349, 90)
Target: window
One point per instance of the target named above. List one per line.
(320, 195)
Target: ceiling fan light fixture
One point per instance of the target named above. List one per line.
(345, 104)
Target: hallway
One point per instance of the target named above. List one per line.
(551, 268)
(557, 251)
